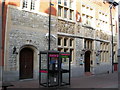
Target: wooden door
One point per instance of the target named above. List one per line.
(26, 63)
(87, 61)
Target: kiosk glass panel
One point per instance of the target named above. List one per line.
(53, 69)
(43, 69)
(65, 68)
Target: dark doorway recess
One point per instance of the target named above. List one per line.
(26, 63)
(87, 61)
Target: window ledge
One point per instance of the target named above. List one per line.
(66, 19)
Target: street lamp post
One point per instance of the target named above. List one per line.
(112, 4)
(49, 24)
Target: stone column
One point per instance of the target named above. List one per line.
(93, 57)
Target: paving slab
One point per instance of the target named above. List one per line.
(93, 82)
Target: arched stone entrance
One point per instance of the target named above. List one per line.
(87, 61)
(26, 63)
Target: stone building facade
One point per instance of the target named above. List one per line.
(26, 32)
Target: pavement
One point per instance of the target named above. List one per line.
(92, 81)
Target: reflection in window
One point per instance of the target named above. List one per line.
(25, 3)
(30, 4)
(59, 1)
(65, 2)
(59, 11)
(71, 14)
(71, 42)
(65, 42)
(33, 5)
(65, 13)
(59, 41)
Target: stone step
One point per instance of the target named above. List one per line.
(88, 73)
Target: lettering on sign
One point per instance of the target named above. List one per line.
(53, 55)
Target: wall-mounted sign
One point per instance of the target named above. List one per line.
(43, 71)
(64, 56)
(53, 55)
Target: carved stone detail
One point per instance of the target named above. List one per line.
(66, 27)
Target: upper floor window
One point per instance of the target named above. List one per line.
(71, 3)
(65, 2)
(25, 4)
(59, 1)
(59, 11)
(88, 44)
(65, 9)
(71, 42)
(71, 14)
(59, 41)
(30, 4)
(65, 13)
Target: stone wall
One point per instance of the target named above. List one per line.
(103, 68)
(79, 47)
(32, 30)
(26, 29)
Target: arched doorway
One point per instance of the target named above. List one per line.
(87, 61)
(26, 63)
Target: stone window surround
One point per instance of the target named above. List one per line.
(91, 15)
(67, 48)
(88, 8)
(87, 19)
(104, 56)
(101, 21)
(88, 44)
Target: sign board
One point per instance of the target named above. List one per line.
(53, 55)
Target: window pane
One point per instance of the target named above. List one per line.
(91, 45)
(25, 3)
(65, 42)
(65, 50)
(60, 49)
(33, 5)
(85, 44)
(71, 14)
(71, 42)
(59, 41)
(70, 3)
(65, 2)
(59, 11)
(59, 1)
(65, 13)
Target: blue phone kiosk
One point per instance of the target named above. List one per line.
(54, 68)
